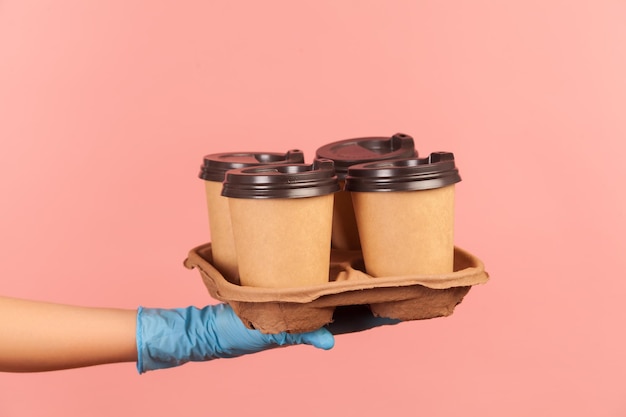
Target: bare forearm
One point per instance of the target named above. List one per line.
(37, 336)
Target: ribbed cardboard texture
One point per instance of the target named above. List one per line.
(308, 308)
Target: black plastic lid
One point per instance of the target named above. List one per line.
(346, 153)
(215, 165)
(282, 181)
(435, 171)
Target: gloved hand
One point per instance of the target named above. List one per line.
(172, 337)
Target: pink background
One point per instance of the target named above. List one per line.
(106, 109)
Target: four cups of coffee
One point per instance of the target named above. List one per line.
(274, 218)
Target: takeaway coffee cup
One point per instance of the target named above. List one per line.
(282, 217)
(346, 153)
(405, 214)
(213, 171)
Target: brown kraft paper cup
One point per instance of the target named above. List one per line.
(405, 214)
(224, 255)
(348, 152)
(282, 218)
(213, 172)
(345, 233)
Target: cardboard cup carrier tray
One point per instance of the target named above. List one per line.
(308, 308)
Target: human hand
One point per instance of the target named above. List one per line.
(172, 337)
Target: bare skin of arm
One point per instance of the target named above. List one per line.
(40, 336)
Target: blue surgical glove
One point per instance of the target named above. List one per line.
(172, 337)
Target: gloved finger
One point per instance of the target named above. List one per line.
(356, 318)
(320, 338)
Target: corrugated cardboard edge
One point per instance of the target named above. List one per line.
(469, 271)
